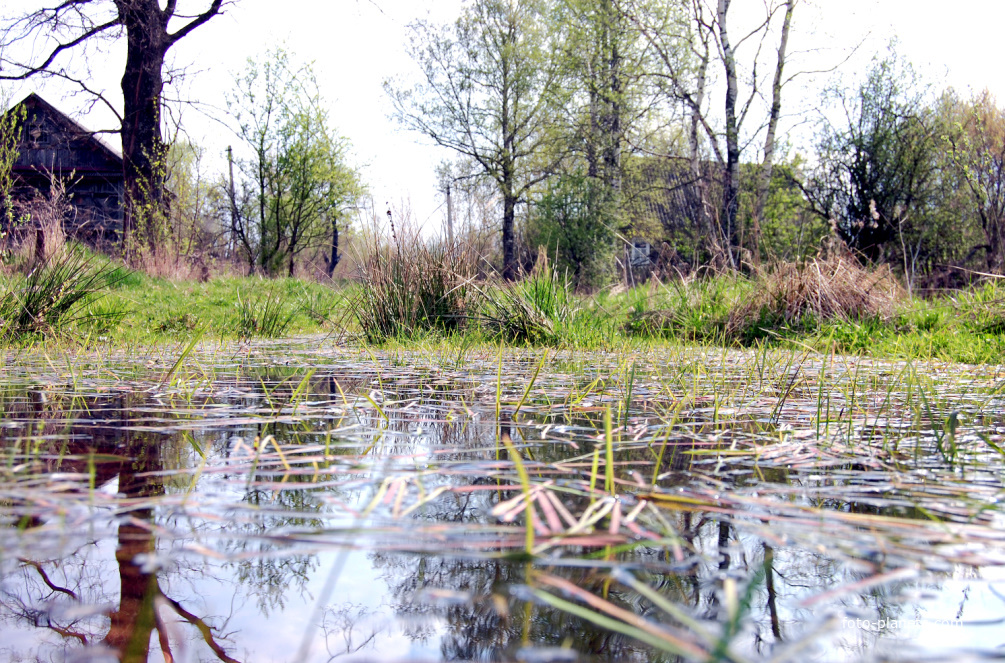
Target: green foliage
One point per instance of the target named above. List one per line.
(535, 311)
(877, 169)
(789, 230)
(54, 295)
(267, 314)
(692, 310)
(10, 135)
(489, 91)
(298, 182)
(574, 222)
(185, 322)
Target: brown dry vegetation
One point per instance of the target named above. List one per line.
(832, 288)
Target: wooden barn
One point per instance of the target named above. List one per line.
(54, 147)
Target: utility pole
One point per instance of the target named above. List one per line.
(450, 218)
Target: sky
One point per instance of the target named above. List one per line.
(356, 45)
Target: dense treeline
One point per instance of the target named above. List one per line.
(601, 123)
(618, 137)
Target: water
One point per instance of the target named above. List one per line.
(296, 501)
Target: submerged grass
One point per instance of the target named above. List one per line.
(858, 471)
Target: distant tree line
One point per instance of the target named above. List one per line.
(599, 121)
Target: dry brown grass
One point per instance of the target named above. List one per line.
(837, 287)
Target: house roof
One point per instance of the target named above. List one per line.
(71, 126)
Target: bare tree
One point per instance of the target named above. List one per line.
(687, 81)
(150, 32)
(768, 162)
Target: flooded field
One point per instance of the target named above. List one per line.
(298, 501)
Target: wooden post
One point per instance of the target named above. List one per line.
(450, 218)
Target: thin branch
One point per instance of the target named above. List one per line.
(201, 19)
(33, 70)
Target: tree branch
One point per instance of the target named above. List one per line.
(37, 69)
(213, 10)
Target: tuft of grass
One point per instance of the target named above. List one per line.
(696, 309)
(800, 296)
(175, 324)
(411, 287)
(267, 315)
(535, 311)
(55, 294)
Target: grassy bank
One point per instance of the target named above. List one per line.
(850, 311)
(80, 297)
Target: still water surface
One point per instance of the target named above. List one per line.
(304, 502)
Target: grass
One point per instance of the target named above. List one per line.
(417, 294)
(412, 287)
(56, 294)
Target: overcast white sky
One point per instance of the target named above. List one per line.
(357, 44)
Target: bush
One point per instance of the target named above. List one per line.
(574, 221)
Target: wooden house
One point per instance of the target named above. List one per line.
(54, 147)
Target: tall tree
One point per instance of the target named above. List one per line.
(490, 83)
(150, 32)
(297, 171)
(774, 114)
(876, 164)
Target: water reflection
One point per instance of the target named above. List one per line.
(167, 526)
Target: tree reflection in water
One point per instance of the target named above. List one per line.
(142, 609)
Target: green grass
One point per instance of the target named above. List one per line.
(965, 326)
(960, 328)
(226, 307)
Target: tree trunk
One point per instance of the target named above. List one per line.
(143, 148)
(768, 164)
(508, 236)
(335, 257)
(614, 106)
(731, 179)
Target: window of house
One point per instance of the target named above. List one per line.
(37, 133)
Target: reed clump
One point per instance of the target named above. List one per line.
(411, 286)
(266, 315)
(693, 309)
(534, 311)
